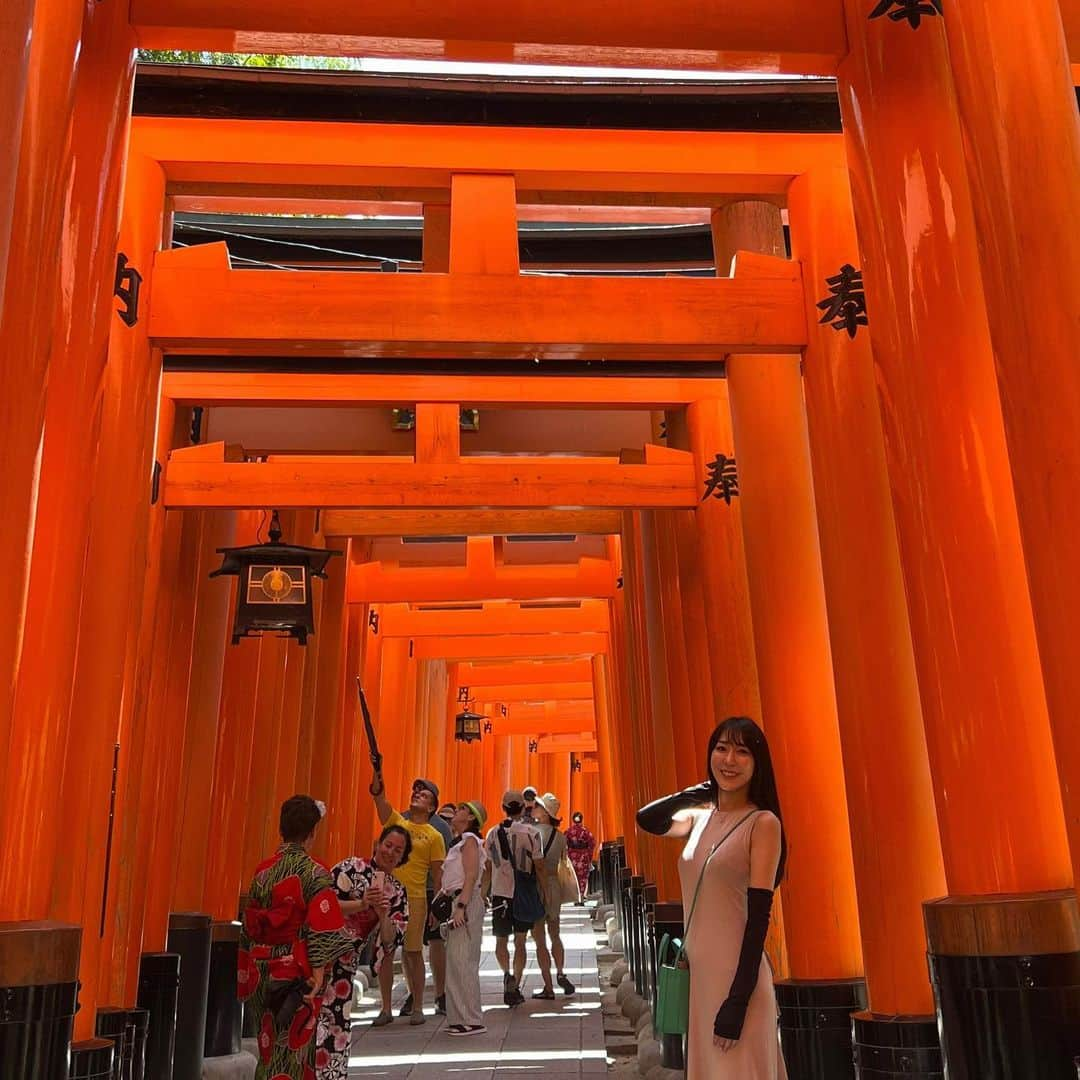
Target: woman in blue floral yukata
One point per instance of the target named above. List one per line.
(375, 904)
(293, 931)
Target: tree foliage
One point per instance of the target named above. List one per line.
(249, 60)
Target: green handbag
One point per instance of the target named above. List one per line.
(671, 1015)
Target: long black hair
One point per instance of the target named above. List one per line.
(763, 794)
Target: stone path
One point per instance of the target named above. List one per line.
(556, 1040)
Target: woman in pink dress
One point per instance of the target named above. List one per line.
(735, 847)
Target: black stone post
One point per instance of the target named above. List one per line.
(622, 887)
(189, 938)
(896, 1047)
(92, 1060)
(224, 1014)
(113, 1024)
(159, 988)
(139, 1022)
(607, 872)
(1006, 976)
(632, 930)
(815, 1026)
(648, 945)
(39, 972)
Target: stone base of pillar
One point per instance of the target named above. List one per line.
(159, 987)
(92, 1059)
(901, 1047)
(190, 938)
(1006, 976)
(39, 970)
(224, 1012)
(815, 1026)
(239, 1066)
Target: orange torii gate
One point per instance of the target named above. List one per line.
(773, 36)
(481, 579)
(501, 619)
(961, 137)
(534, 671)
(546, 717)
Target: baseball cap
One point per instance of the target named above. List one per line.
(513, 797)
(427, 785)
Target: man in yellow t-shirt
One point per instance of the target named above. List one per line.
(428, 853)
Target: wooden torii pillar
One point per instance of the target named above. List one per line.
(986, 120)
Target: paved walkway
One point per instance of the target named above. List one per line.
(556, 1040)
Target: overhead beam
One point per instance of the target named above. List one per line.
(541, 726)
(499, 619)
(324, 313)
(508, 693)
(380, 583)
(547, 717)
(259, 389)
(341, 482)
(769, 35)
(415, 162)
(561, 744)
(563, 646)
(525, 672)
(470, 522)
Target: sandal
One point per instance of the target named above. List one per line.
(382, 1019)
(466, 1029)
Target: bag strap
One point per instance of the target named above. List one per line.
(701, 877)
(550, 840)
(504, 845)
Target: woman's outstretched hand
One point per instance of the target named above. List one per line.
(659, 816)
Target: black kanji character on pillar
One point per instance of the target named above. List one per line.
(723, 480)
(845, 307)
(912, 10)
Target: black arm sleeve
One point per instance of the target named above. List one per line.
(656, 818)
(729, 1020)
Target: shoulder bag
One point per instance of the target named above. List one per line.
(527, 905)
(672, 1015)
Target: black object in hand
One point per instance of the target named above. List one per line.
(285, 998)
(369, 730)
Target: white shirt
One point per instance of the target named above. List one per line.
(453, 871)
(525, 846)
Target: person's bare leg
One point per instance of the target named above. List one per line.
(415, 976)
(502, 954)
(558, 952)
(386, 981)
(543, 957)
(519, 958)
(437, 958)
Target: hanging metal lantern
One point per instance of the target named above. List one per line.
(467, 726)
(274, 591)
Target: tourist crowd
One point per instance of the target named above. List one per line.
(434, 872)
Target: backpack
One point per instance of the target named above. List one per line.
(527, 905)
